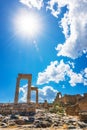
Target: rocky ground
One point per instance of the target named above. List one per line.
(42, 120)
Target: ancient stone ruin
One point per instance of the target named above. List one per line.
(29, 78)
(73, 104)
(22, 108)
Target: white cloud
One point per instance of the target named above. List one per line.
(75, 78)
(54, 11)
(54, 72)
(33, 3)
(57, 72)
(74, 24)
(46, 93)
(23, 91)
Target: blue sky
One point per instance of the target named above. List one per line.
(55, 52)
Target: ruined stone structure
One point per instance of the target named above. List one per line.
(74, 104)
(21, 108)
(29, 78)
(58, 97)
(67, 99)
(79, 107)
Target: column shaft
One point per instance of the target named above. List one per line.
(17, 91)
(29, 92)
(36, 98)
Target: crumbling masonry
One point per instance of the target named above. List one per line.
(22, 108)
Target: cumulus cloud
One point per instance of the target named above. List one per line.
(75, 78)
(33, 3)
(74, 25)
(46, 93)
(54, 72)
(58, 71)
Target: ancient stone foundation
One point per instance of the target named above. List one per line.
(21, 108)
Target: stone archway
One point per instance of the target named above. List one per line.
(29, 78)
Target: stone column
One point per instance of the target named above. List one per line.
(17, 91)
(29, 91)
(37, 98)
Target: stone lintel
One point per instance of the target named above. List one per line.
(34, 88)
(25, 76)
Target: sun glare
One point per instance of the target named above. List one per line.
(28, 24)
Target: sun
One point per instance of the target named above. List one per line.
(28, 24)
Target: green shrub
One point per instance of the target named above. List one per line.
(57, 108)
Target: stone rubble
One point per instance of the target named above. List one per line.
(43, 119)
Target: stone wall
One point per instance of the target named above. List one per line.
(74, 104)
(72, 110)
(83, 103)
(68, 99)
(21, 108)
